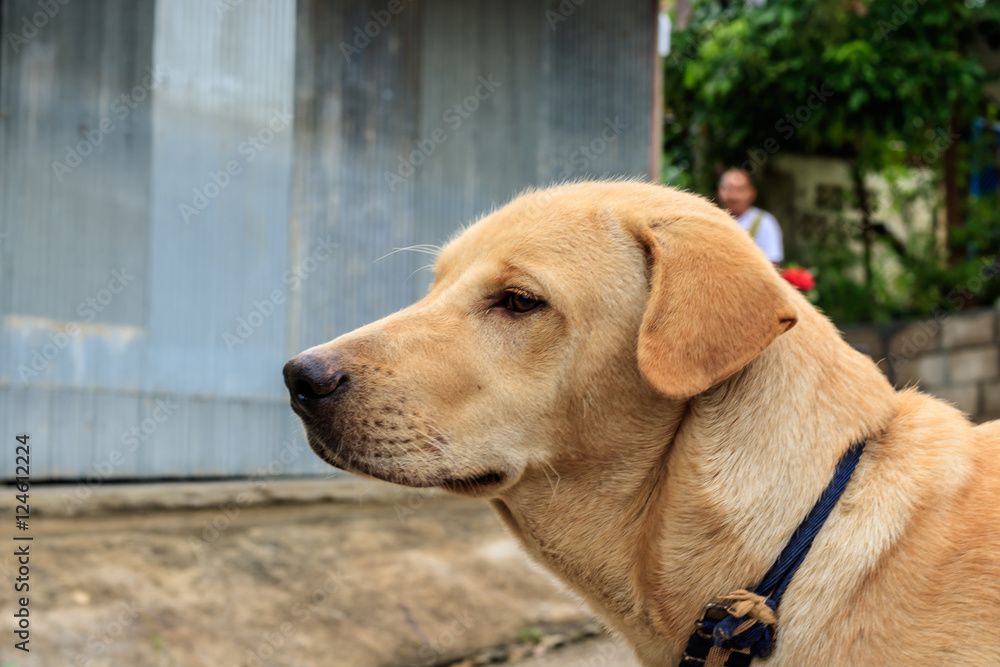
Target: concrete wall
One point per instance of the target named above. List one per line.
(952, 356)
(811, 198)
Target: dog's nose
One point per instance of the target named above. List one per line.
(311, 377)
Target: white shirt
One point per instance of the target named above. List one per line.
(768, 232)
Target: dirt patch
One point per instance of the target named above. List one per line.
(381, 579)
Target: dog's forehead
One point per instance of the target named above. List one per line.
(542, 227)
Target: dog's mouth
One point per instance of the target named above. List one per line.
(475, 486)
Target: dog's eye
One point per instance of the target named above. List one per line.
(520, 302)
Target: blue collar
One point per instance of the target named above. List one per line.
(742, 623)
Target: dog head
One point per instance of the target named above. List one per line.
(566, 317)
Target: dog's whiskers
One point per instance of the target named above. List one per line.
(558, 479)
(426, 248)
(422, 268)
(448, 456)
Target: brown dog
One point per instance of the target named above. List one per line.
(652, 411)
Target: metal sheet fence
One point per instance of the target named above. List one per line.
(191, 192)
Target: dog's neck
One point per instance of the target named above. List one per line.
(708, 509)
(586, 514)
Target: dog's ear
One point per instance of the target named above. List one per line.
(715, 302)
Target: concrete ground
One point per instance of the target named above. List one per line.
(292, 573)
(598, 652)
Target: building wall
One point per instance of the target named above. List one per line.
(250, 168)
(811, 197)
(955, 357)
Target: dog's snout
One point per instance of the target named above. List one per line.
(311, 377)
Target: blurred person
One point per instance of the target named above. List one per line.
(737, 194)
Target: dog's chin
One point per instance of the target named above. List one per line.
(481, 483)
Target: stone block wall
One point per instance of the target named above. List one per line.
(954, 356)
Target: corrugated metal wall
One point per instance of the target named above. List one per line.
(74, 208)
(256, 158)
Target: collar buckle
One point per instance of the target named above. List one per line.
(710, 616)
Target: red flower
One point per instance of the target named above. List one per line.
(799, 277)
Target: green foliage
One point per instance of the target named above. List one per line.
(748, 74)
(875, 82)
(531, 634)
